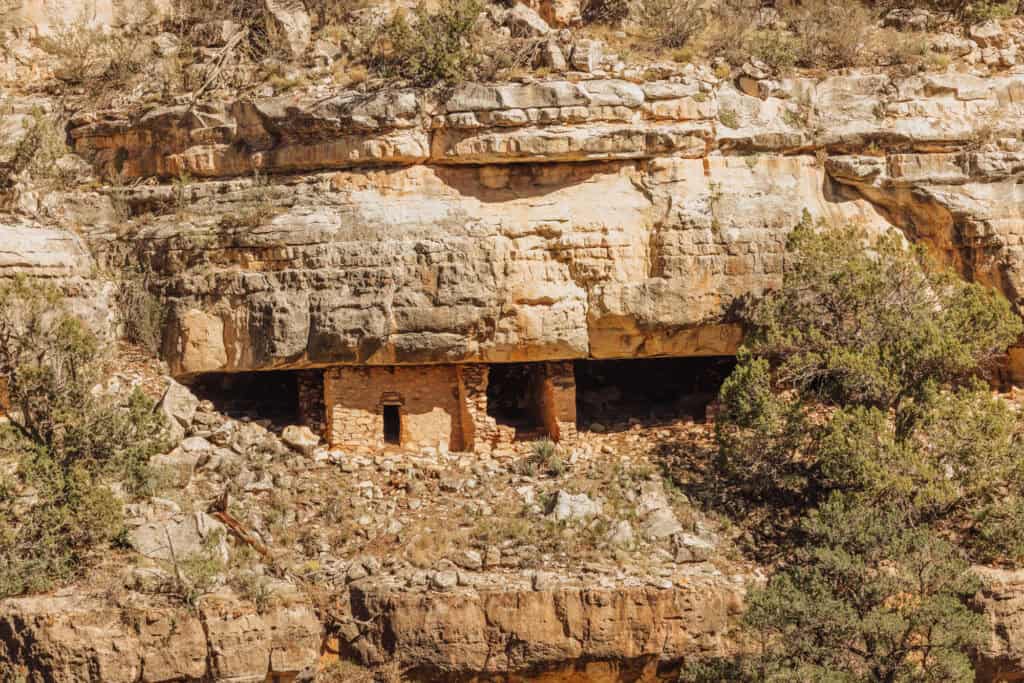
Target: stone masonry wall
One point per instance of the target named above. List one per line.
(555, 387)
(312, 412)
(487, 434)
(440, 405)
(428, 396)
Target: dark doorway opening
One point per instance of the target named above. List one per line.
(269, 397)
(392, 425)
(512, 401)
(648, 390)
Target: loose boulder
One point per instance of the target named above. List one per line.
(288, 26)
(301, 439)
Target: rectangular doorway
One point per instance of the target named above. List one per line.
(392, 425)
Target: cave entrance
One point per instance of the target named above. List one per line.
(512, 399)
(612, 393)
(271, 397)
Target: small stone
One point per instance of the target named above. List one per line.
(527, 493)
(196, 444)
(659, 524)
(492, 558)
(622, 534)
(690, 548)
(552, 57)
(288, 25)
(371, 564)
(989, 34)
(524, 22)
(301, 439)
(445, 580)
(468, 559)
(586, 55)
(356, 571)
(179, 403)
(569, 507)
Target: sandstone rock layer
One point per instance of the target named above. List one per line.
(539, 221)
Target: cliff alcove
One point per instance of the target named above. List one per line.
(272, 395)
(512, 400)
(649, 390)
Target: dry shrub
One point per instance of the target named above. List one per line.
(604, 11)
(729, 28)
(829, 33)
(812, 34)
(893, 47)
(671, 23)
(141, 314)
(333, 12)
(94, 58)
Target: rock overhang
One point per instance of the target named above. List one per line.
(541, 221)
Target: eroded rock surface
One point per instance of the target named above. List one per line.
(513, 631)
(601, 218)
(71, 640)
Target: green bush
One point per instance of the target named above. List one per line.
(867, 598)
(544, 459)
(860, 375)
(430, 47)
(71, 443)
(35, 152)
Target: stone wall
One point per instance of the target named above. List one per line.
(555, 388)
(482, 431)
(312, 412)
(427, 396)
(443, 406)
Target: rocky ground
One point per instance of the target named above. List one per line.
(447, 563)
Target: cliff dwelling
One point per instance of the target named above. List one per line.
(469, 407)
(478, 407)
(449, 407)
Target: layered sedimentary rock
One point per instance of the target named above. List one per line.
(70, 640)
(60, 257)
(540, 221)
(443, 636)
(1001, 656)
(614, 634)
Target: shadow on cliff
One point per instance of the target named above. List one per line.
(503, 183)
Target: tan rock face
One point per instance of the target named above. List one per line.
(1001, 656)
(497, 263)
(439, 636)
(548, 220)
(71, 640)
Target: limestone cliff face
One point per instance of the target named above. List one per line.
(71, 640)
(445, 637)
(545, 220)
(562, 634)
